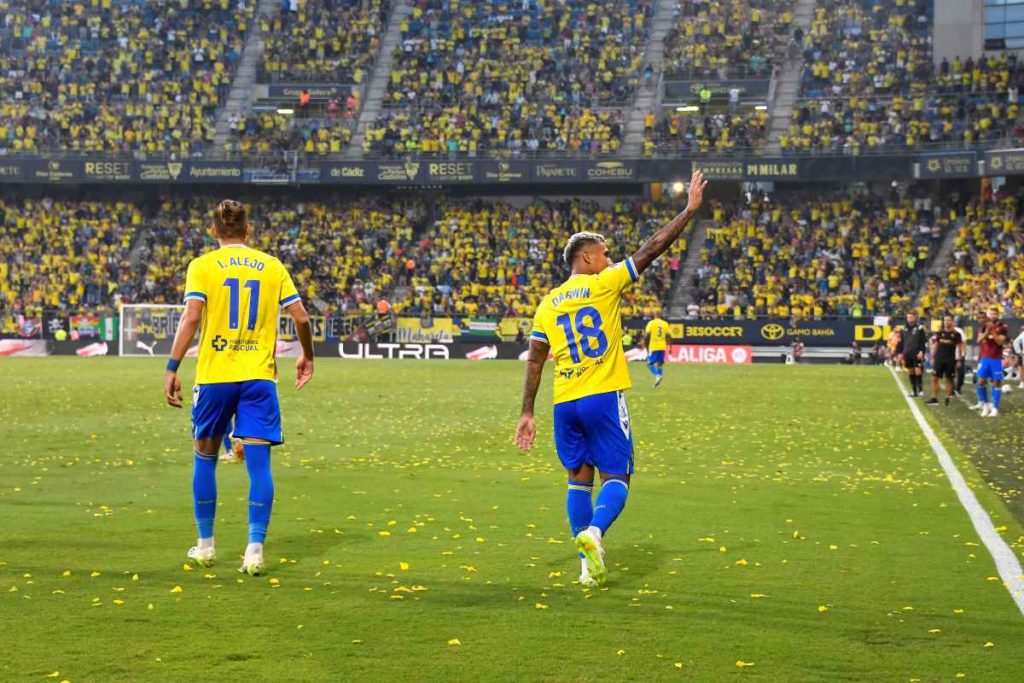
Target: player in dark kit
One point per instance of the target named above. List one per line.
(948, 348)
(915, 342)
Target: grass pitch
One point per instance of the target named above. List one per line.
(785, 524)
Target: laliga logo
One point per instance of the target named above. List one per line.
(773, 331)
(739, 355)
(219, 343)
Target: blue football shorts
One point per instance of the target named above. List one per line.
(655, 357)
(253, 404)
(594, 430)
(990, 368)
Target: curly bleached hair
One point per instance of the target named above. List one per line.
(578, 241)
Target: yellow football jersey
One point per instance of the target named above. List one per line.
(243, 290)
(658, 331)
(580, 321)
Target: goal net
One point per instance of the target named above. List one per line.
(148, 329)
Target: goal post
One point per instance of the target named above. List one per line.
(148, 329)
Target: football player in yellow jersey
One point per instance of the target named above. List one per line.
(656, 339)
(234, 294)
(579, 323)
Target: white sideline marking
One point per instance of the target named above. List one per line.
(1006, 560)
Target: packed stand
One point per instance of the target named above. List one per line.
(327, 41)
(869, 84)
(711, 133)
(967, 103)
(129, 77)
(513, 77)
(270, 133)
(987, 266)
(494, 259)
(343, 255)
(719, 39)
(65, 255)
(856, 255)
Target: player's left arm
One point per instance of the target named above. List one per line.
(526, 430)
(187, 326)
(664, 236)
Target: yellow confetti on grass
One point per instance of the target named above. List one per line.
(621, 652)
(94, 575)
(822, 608)
(758, 595)
(990, 644)
(176, 589)
(67, 572)
(404, 566)
(383, 533)
(741, 664)
(53, 675)
(678, 665)
(540, 605)
(454, 642)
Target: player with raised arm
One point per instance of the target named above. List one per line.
(234, 294)
(580, 324)
(656, 340)
(991, 339)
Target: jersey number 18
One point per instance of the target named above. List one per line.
(592, 339)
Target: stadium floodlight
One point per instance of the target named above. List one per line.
(689, 107)
(677, 187)
(285, 112)
(761, 107)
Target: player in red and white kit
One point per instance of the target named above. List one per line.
(991, 340)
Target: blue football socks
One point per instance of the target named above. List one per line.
(610, 501)
(204, 492)
(982, 393)
(579, 504)
(653, 368)
(261, 490)
(997, 395)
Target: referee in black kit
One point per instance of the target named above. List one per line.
(915, 343)
(948, 347)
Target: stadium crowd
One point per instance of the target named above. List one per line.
(344, 255)
(845, 255)
(500, 77)
(868, 83)
(328, 41)
(269, 132)
(718, 133)
(117, 76)
(723, 38)
(987, 268)
(65, 255)
(497, 259)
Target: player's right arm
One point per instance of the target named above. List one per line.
(196, 292)
(187, 326)
(664, 236)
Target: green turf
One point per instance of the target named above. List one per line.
(411, 541)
